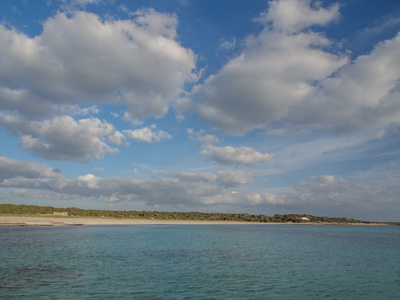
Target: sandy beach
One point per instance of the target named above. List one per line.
(76, 221)
(50, 221)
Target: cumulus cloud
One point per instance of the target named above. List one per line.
(361, 96)
(10, 168)
(147, 134)
(202, 137)
(275, 72)
(235, 156)
(227, 155)
(295, 15)
(367, 194)
(153, 191)
(345, 196)
(61, 138)
(118, 138)
(178, 188)
(83, 59)
(291, 79)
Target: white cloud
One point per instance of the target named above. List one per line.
(234, 178)
(226, 178)
(202, 137)
(159, 23)
(71, 5)
(10, 168)
(370, 194)
(317, 150)
(85, 2)
(227, 155)
(361, 96)
(295, 15)
(276, 71)
(235, 156)
(61, 138)
(287, 80)
(118, 138)
(367, 195)
(386, 23)
(228, 45)
(345, 196)
(152, 191)
(184, 189)
(189, 176)
(147, 134)
(82, 59)
(23, 193)
(86, 111)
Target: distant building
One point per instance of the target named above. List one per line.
(61, 213)
(304, 219)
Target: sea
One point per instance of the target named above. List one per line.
(200, 262)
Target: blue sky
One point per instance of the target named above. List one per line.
(265, 107)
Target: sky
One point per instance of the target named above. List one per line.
(261, 107)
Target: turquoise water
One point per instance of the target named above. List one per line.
(200, 262)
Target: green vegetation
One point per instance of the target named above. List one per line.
(11, 209)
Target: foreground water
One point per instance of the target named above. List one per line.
(200, 262)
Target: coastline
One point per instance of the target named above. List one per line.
(77, 221)
(72, 221)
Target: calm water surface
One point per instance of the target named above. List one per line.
(200, 262)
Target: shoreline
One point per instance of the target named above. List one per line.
(79, 221)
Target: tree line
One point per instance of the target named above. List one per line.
(12, 209)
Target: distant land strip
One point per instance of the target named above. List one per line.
(164, 217)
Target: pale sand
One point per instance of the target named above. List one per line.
(58, 220)
(49, 221)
